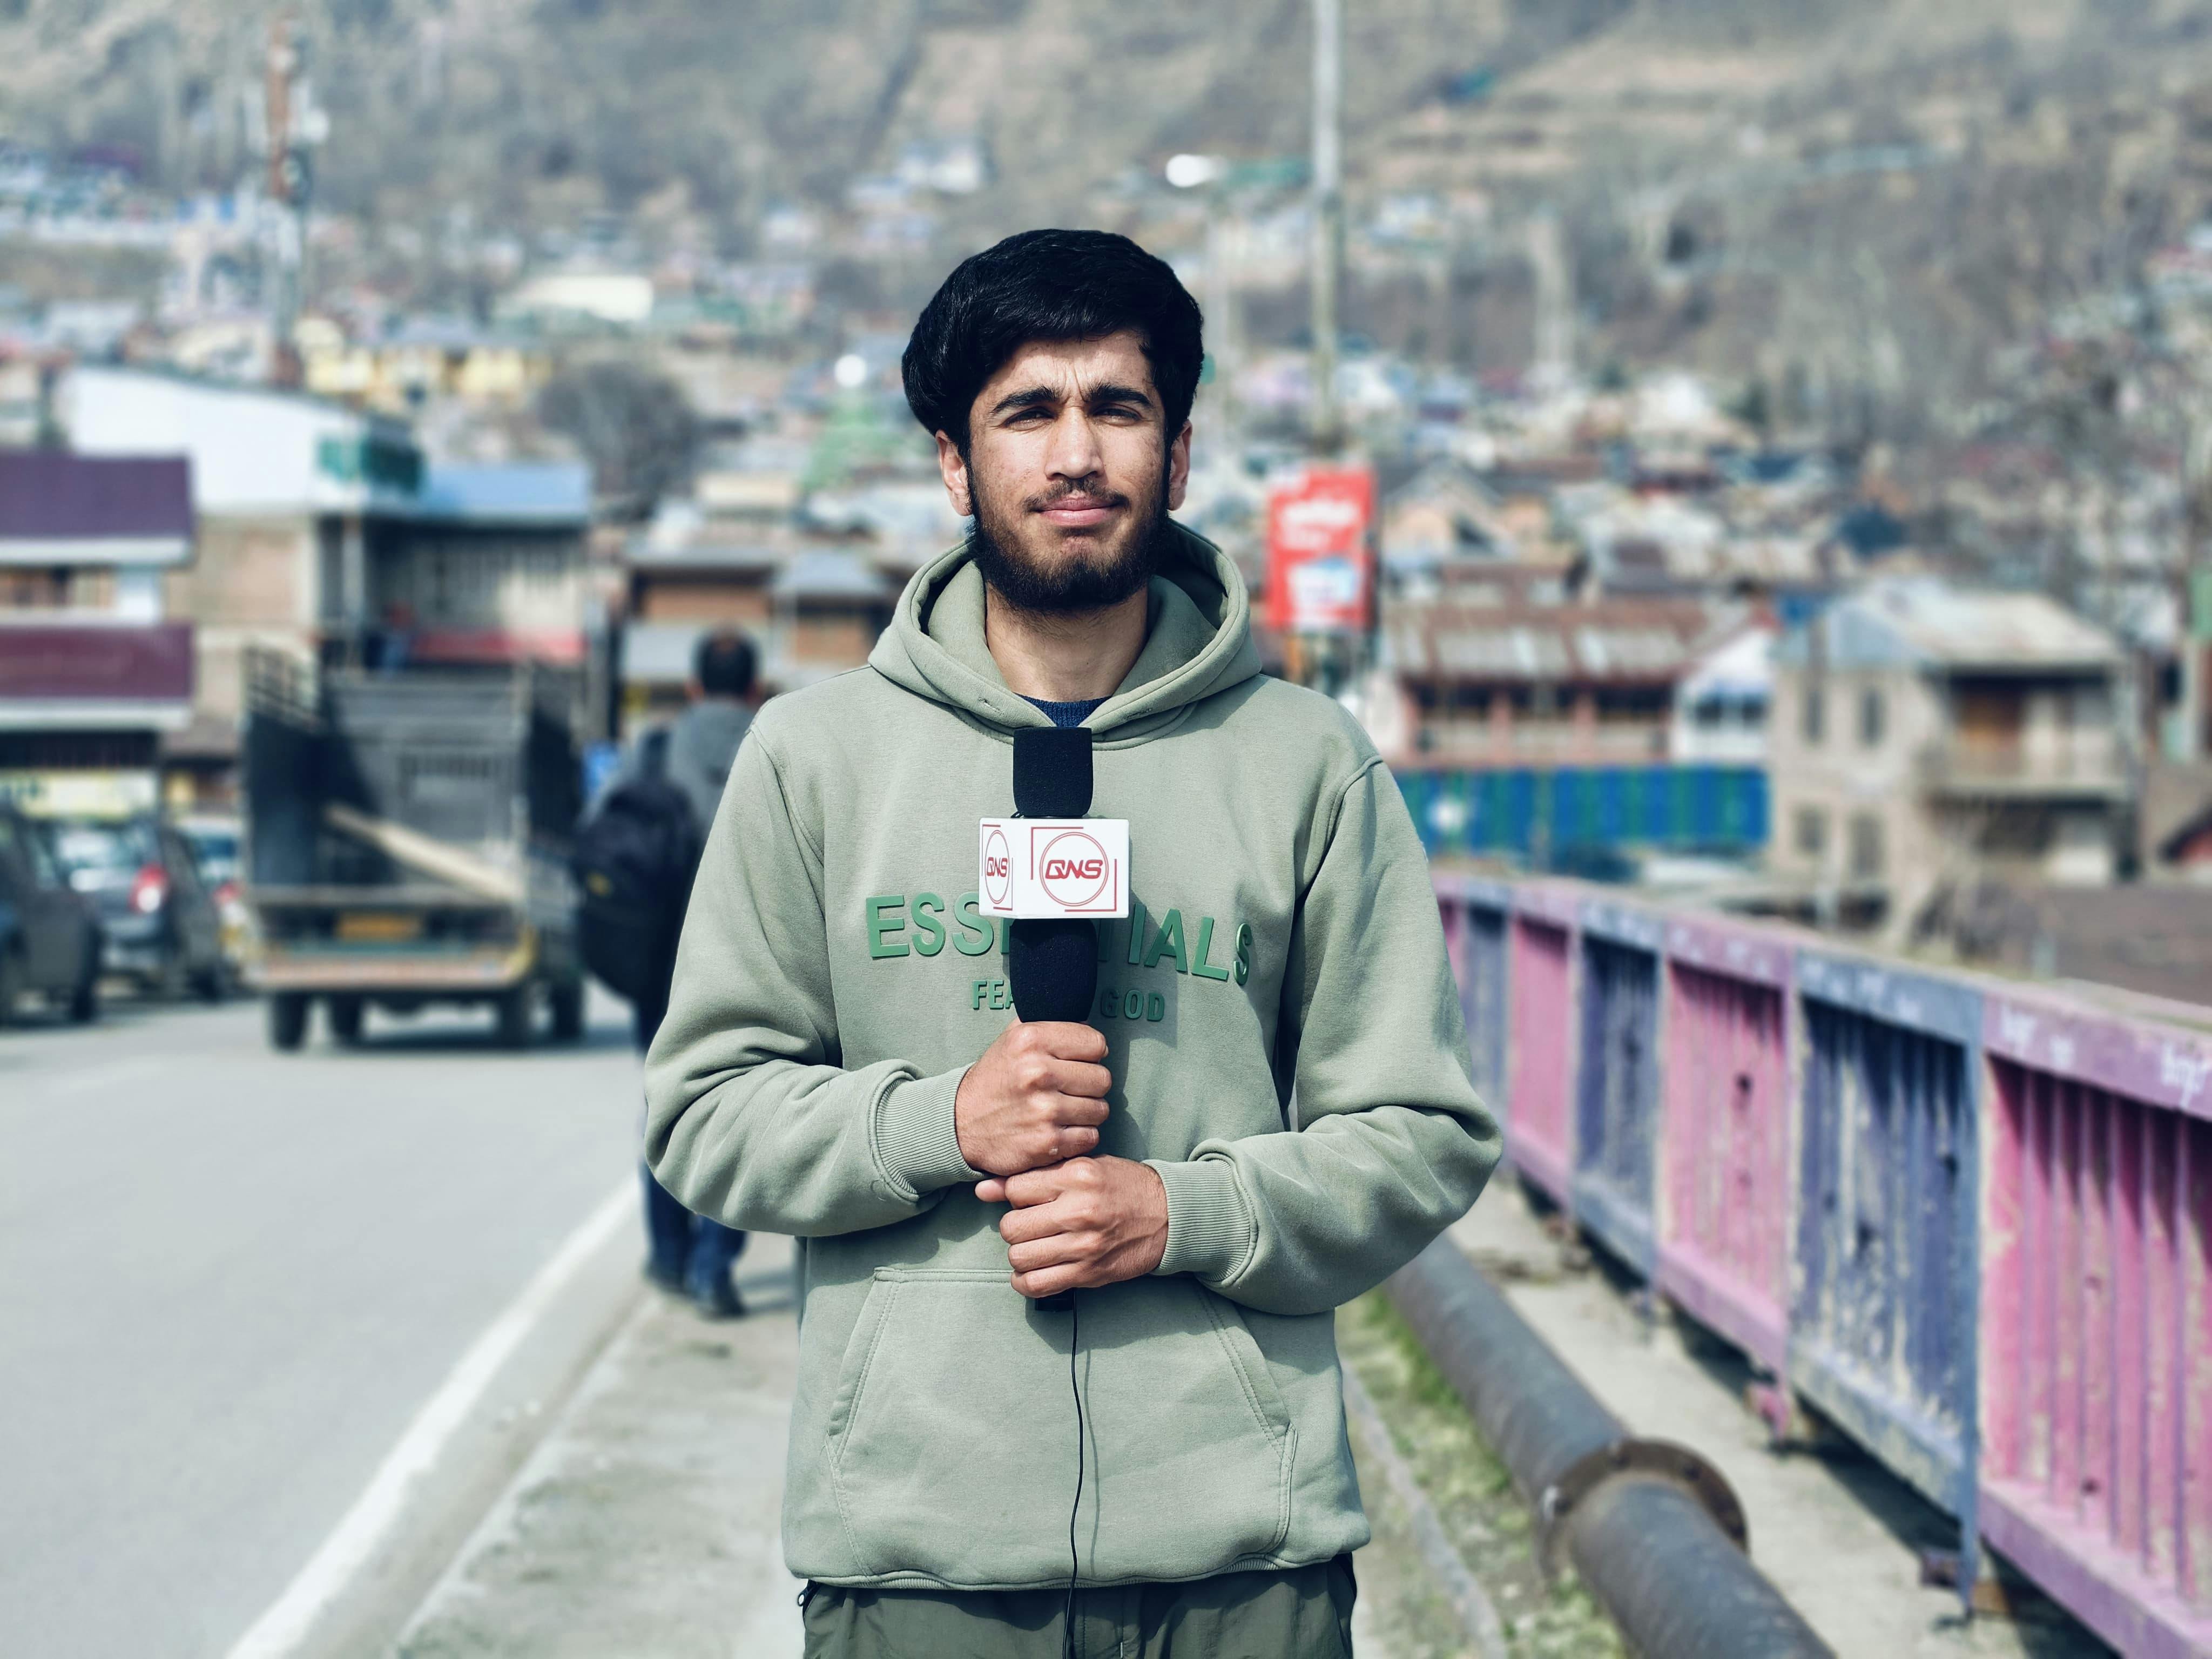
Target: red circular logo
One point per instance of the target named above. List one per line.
(1073, 870)
(997, 867)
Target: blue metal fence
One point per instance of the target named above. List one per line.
(1529, 812)
(1887, 1218)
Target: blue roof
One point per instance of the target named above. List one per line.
(516, 492)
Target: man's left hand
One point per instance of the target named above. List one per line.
(1087, 1222)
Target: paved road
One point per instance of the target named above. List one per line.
(228, 1277)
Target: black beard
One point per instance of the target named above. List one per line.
(1078, 585)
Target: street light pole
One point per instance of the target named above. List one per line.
(1327, 218)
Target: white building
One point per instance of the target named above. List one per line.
(1721, 705)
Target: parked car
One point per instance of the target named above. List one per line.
(157, 916)
(49, 935)
(215, 842)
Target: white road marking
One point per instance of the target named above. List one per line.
(355, 1540)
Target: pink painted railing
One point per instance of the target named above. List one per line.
(1540, 1116)
(1724, 1249)
(1973, 1222)
(2096, 1321)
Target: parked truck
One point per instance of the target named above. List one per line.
(406, 842)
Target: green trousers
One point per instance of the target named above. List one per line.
(1302, 1614)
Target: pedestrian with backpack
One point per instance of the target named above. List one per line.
(637, 853)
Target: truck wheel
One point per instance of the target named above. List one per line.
(513, 1013)
(568, 998)
(212, 983)
(84, 999)
(11, 985)
(346, 1015)
(287, 1020)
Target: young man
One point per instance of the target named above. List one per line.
(1268, 1112)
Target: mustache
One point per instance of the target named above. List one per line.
(1074, 498)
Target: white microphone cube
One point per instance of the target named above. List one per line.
(1034, 868)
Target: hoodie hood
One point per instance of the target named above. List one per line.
(1198, 640)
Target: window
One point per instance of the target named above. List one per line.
(1866, 846)
(1816, 715)
(1811, 831)
(1871, 713)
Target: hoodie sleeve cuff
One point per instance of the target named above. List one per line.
(916, 1142)
(1210, 1228)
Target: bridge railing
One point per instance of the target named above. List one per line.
(2096, 1316)
(1971, 1222)
(1540, 1054)
(1724, 1252)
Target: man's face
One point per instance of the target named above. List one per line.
(1069, 473)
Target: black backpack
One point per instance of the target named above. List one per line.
(634, 861)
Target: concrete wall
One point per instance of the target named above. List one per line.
(1846, 779)
(253, 451)
(255, 583)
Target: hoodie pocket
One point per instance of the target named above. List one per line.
(951, 1437)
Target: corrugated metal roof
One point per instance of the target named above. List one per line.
(517, 492)
(1957, 627)
(821, 574)
(50, 495)
(1647, 641)
(1926, 619)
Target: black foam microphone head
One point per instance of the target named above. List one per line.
(1052, 771)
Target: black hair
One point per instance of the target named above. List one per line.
(1050, 285)
(723, 665)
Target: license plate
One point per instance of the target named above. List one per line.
(374, 927)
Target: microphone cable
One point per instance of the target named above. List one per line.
(1075, 1388)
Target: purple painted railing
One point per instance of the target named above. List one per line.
(1475, 914)
(1617, 1082)
(1971, 1222)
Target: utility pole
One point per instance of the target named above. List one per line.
(294, 124)
(284, 187)
(1328, 434)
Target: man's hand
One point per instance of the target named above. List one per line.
(1036, 1096)
(1089, 1221)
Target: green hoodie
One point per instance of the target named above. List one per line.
(1286, 1049)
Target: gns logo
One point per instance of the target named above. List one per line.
(1073, 869)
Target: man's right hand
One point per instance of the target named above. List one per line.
(1035, 1097)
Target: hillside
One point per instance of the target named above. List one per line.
(1870, 195)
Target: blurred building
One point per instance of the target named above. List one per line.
(95, 676)
(1723, 703)
(421, 361)
(1925, 736)
(1519, 684)
(676, 596)
(811, 610)
(324, 536)
(485, 565)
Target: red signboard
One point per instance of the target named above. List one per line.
(1320, 569)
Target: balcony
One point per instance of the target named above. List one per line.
(2075, 765)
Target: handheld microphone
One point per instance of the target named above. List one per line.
(1052, 962)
